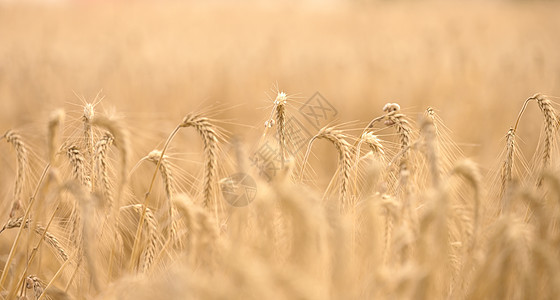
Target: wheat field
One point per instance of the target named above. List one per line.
(294, 150)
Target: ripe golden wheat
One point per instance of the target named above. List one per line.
(412, 218)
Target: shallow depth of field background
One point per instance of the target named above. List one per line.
(474, 62)
(154, 62)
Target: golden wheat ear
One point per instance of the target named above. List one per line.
(210, 138)
(56, 121)
(344, 149)
(169, 185)
(20, 147)
(103, 183)
(550, 129)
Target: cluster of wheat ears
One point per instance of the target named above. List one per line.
(401, 219)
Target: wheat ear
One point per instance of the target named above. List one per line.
(87, 118)
(21, 161)
(507, 165)
(152, 234)
(55, 121)
(471, 173)
(550, 122)
(397, 119)
(280, 105)
(102, 171)
(209, 136)
(51, 240)
(336, 137)
(168, 182)
(78, 163)
(121, 141)
(33, 282)
(429, 131)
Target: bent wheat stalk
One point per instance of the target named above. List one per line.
(336, 137)
(168, 182)
(209, 136)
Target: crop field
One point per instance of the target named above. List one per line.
(279, 150)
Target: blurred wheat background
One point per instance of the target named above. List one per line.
(147, 65)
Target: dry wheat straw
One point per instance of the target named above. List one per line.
(21, 160)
